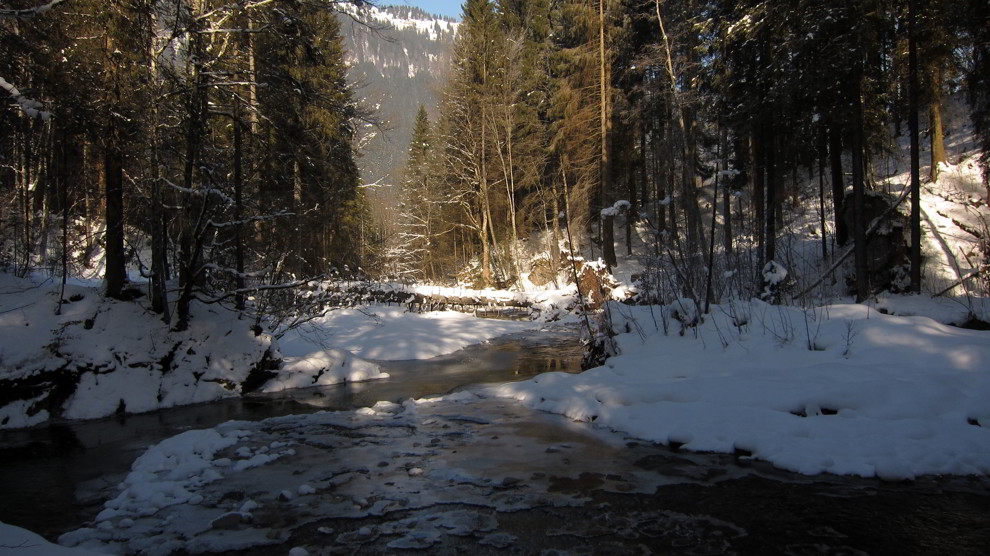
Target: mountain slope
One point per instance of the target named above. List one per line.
(397, 57)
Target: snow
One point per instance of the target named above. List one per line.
(322, 367)
(118, 356)
(392, 333)
(875, 395)
(103, 356)
(428, 27)
(616, 209)
(15, 541)
(30, 108)
(774, 274)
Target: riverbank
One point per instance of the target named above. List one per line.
(102, 357)
(841, 388)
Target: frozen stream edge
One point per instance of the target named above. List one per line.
(245, 484)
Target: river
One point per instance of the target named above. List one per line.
(476, 475)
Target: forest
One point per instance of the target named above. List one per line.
(208, 144)
(211, 145)
(700, 121)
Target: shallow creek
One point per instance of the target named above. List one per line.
(472, 475)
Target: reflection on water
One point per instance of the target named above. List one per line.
(55, 477)
(510, 358)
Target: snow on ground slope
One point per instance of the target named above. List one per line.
(15, 541)
(391, 333)
(876, 395)
(101, 356)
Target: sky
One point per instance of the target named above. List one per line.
(450, 8)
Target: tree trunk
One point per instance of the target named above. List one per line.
(631, 187)
(759, 221)
(859, 201)
(935, 124)
(770, 153)
(195, 106)
(604, 169)
(711, 244)
(63, 185)
(238, 207)
(644, 183)
(822, 153)
(915, 250)
(113, 179)
(689, 195)
(838, 183)
(486, 268)
(726, 202)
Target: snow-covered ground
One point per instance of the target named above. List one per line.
(840, 389)
(16, 541)
(102, 356)
(392, 333)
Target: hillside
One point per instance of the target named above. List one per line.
(397, 57)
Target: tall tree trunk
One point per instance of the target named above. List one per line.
(689, 191)
(644, 182)
(759, 199)
(633, 207)
(915, 251)
(726, 202)
(188, 242)
(659, 172)
(113, 179)
(772, 185)
(604, 169)
(711, 243)
(486, 268)
(822, 153)
(859, 201)
(555, 245)
(238, 207)
(838, 183)
(935, 123)
(25, 175)
(63, 185)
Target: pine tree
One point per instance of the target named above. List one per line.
(420, 208)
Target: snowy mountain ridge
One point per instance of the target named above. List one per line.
(397, 57)
(401, 18)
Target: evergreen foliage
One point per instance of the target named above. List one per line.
(659, 102)
(221, 134)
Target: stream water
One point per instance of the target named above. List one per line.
(479, 476)
(55, 477)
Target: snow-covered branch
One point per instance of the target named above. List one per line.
(29, 12)
(250, 220)
(261, 288)
(31, 108)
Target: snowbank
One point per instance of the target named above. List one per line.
(101, 356)
(392, 333)
(840, 389)
(21, 542)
